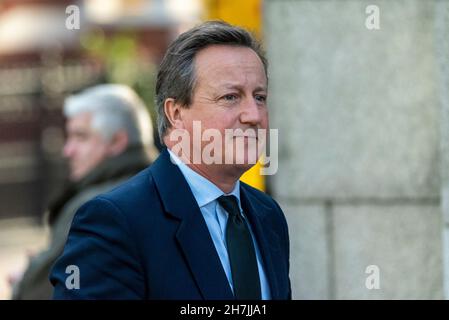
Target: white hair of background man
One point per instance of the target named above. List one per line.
(113, 107)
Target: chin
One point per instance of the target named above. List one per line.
(243, 167)
(235, 169)
(76, 176)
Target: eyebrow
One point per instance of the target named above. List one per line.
(239, 87)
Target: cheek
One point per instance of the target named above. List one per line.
(101, 151)
(265, 120)
(215, 122)
(93, 152)
(223, 120)
(88, 149)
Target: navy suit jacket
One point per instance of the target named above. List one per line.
(147, 239)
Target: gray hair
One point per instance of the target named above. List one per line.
(114, 107)
(176, 76)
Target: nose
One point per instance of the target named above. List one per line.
(252, 112)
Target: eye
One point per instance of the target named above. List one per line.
(261, 98)
(229, 97)
(79, 136)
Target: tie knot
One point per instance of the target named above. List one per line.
(230, 204)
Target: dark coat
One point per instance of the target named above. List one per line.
(147, 239)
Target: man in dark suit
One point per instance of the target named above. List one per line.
(186, 227)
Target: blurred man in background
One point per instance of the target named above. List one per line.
(109, 139)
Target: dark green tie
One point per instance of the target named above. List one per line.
(242, 256)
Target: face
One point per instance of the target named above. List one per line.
(230, 93)
(85, 148)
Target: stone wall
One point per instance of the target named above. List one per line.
(360, 153)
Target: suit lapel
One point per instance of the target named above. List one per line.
(192, 235)
(267, 239)
(194, 238)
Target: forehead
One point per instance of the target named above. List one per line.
(79, 121)
(223, 61)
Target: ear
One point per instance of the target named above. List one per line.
(119, 143)
(173, 113)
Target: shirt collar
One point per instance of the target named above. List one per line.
(203, 189)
